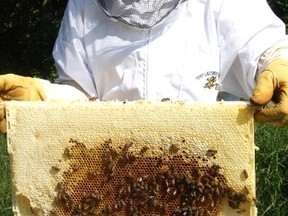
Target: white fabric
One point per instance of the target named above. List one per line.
(201, 45)
(279, 50)
(62, 92)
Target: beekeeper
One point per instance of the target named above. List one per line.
(191, 50)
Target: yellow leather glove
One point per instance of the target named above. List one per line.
(272, 85)
(20, 88)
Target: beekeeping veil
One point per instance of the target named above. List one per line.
(138, 13)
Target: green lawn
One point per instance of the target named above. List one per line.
(272, 172)
(5, 186)
(271, 166)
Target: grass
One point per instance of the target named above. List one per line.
(271, 168)
(5, 183)
(272, 172)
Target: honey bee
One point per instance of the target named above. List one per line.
(119, 204)
(160, 160)
(212, 205)
(211, 152)
(114, 154)
(93, 98)
(75, 167)
(177, 211)
(174, 193)
(55, 168)
(64, 198)
(126, 158)
(163, 208)
(121, 191)
(67, 153)
(202, 198)
(233, 204)
(78, 211)
(107, 210)
(153, 202)
(143, 150)
(91, 175)
(245, 173)
(129, 176)
(174, 148)
(245, 190)
(216, 191)
(127, 146)
(109, 176)
(131, 158)
(165, 99)
(214, 170)
(241, 197)
(256, 201)
(59, 186)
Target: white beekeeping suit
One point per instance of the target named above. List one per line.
(190, 50)
(196, 49)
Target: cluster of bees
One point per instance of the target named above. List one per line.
(116, 181)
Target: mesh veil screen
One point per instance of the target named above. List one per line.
(139, 13)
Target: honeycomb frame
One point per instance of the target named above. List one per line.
(136, 158)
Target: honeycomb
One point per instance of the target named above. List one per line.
(138, 158)
(115, 180)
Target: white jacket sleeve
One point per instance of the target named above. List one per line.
(246, 29)
(69, 53)
(62, 92)
(278, 50)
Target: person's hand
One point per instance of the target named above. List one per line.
(20, 88)
(272, 85)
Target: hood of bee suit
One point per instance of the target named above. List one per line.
(142, 14)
